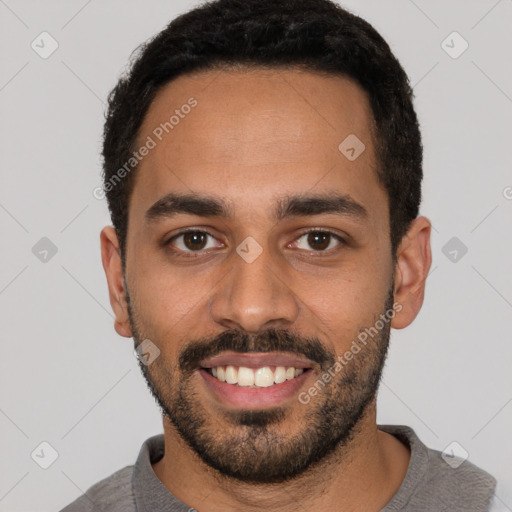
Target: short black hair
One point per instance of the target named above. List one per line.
(316, 35)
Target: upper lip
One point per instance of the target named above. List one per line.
(257, 360)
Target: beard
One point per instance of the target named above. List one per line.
(250, 445)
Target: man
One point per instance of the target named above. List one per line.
(262, 165)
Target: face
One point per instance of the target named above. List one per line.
(257, 255)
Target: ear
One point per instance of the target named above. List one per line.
(111, 259)
(414, 258)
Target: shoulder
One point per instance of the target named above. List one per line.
(438, 480)
(459, 481)
(112, 494)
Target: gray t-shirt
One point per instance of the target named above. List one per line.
(430, 485)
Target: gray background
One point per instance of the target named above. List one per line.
(68, 379)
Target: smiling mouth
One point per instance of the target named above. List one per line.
(262, 377)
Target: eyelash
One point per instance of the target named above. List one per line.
(193, 254)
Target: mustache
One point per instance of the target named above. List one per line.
(271, 340)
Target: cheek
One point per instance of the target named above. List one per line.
(169, 304)
(165, 299)
(345, 302)
(171, 287)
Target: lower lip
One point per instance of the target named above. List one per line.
(242, 397)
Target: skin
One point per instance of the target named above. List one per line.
(256, 135)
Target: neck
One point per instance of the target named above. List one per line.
(363, 474)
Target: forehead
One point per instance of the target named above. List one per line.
(253, 133)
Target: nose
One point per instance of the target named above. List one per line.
(254, 295)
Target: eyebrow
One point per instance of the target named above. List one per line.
(286, 207)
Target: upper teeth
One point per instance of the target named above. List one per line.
(260, 377)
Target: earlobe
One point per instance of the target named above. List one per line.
(414, 259)
(111, 259)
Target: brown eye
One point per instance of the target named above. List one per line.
(319, 240)
(192, 241)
